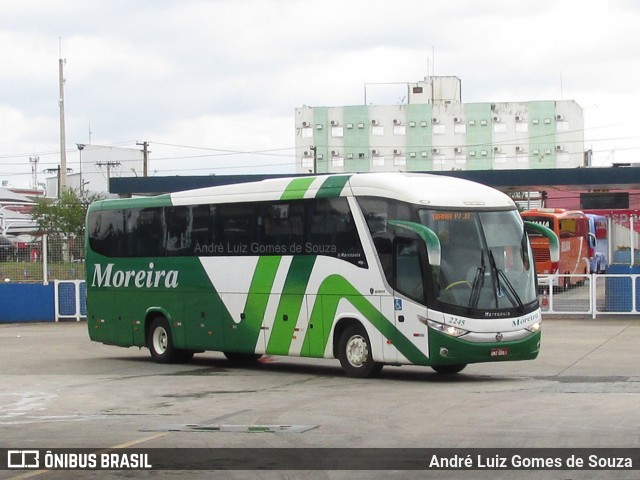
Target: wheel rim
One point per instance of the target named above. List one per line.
(357, 351)
(160, 340)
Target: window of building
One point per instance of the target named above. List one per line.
(460, 128)
(307, 132)
(399, 130)
(399, 160)
(377, 130)
(499, 127)
(522, 127)
(439, 129)
(378, 160)
(337, 132)
(337, 161)
(562, 126)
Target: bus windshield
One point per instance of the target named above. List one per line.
(486, 261)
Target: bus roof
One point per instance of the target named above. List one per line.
(418, 188)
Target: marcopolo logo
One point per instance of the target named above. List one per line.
(110, 277)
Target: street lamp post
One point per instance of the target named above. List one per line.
(80, 148)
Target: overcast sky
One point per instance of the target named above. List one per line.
(204, 81)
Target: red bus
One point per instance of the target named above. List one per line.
(572, 229)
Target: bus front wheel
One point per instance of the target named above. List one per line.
(354, 353)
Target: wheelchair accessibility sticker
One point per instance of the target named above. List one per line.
(397, 303)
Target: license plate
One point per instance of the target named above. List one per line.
(499, 352)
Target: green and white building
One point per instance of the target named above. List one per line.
(435, 131)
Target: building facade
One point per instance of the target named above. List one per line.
(96, 165)
(435, 131)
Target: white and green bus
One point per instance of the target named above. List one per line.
(373, 269)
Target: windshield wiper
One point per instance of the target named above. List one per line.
(478, 283)
(510, 292)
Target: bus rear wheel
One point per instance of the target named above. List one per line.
(354, 353)
(449, 369)
(160, 343)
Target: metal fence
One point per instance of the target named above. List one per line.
(63, 263)
(42, 259)
(593, 294)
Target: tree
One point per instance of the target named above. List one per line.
(64, 218)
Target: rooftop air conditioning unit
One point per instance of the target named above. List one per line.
(496, 118)
(396, 121)
(518, 118)
(435, 150)
(374, 152)
(335, 153)
(496, 149)
(305, 124)
(396, 151)
(518, 149)
(374, 122)
(559, 117)
(334, 123)
(434, 120)
(457, 150)
(558, 148)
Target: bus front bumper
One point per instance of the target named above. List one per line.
(447, 350)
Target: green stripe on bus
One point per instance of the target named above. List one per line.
(333, 289)
(256, 303)
(290, 304)
(332, 186)
(297, 188)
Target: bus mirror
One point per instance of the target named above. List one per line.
(429, 237)
(554, 241)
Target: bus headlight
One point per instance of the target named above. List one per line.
(447, 329)
(534, 327)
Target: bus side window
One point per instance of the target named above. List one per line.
(283, 225)
(178, 220)
(332, 230)
(146, 232)
(239, 225)
(203, 231)
(107, 233)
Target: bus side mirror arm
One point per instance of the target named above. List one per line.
(428, 236)
(554, 241)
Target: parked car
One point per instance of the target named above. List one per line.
(7, 249)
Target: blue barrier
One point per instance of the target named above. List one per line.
(70, 300)
(26, 302)
(33, 302)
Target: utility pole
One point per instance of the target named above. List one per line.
(108, 164)
(63, 144)
(34, 171)
(145, 157)
(58, 172)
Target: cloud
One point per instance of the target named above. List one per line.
(228, 74)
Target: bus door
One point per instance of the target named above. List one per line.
(406, 305)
